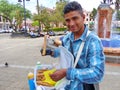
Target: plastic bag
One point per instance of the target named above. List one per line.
(66, 61)
(66, 58)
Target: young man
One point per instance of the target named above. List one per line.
(90, 67)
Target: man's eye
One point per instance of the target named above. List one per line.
(67, 20)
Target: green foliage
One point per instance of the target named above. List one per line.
(91, 25)
(43, 17)
(93, 13)
(118, 15)
(55, 29)
(35, 23)
(19, 18)
(9, 11)
(58, 13)
(46, 16)
(5, 8)
(59, 29)
(117, 29)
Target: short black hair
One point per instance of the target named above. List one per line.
(73, 6)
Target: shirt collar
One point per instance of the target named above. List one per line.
(82, 37)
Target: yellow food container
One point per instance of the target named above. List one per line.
(48, 78)
(30, 75)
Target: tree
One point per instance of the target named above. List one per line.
(43, 17)
(93, 13)
(58, 13)
(10, 11)
(5, 9)
(118, 15)
(18, 14)
(35, 23)
(46, 15)
(117, 6)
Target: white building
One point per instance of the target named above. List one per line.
(4, 24)
(88, 19)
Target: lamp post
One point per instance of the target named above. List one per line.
(24, 13)
(38, 10)
(117, 4)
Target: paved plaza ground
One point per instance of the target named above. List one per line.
(22, 55)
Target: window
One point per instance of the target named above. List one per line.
(86, 19)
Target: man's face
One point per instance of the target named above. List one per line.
(74, 21)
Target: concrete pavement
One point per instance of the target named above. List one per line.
(22, 55)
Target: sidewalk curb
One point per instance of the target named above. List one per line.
(112, 59)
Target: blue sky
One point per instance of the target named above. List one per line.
(86, 4)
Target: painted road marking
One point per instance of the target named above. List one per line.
(113, 73)
(11, 47)
(32, 67)
(18, 66)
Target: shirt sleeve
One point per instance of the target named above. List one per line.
(56, 52)
(94, 72)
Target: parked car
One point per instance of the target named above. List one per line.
(35, 35)
(2, 31)
(6, 30)
(51, 33)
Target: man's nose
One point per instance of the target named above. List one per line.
(71, 23)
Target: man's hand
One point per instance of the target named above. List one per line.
(48, 51)
(58, 74)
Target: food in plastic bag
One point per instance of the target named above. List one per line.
(66, 61)
(43, 78)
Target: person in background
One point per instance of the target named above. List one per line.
(90, 67)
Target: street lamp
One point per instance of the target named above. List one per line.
(117, 4)
(24, 13)
(38, 10)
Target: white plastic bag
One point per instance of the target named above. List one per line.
(61, 84)
(66, 58)
(66, 61)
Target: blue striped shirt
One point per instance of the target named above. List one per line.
(90, 67)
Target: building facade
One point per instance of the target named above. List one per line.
(88, 19)
(4, 24)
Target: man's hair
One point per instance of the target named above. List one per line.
(73, 6)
